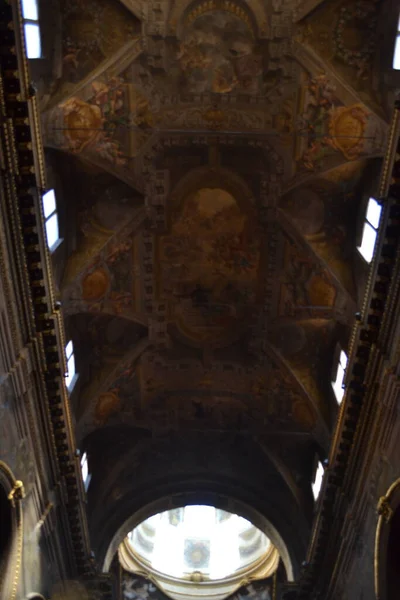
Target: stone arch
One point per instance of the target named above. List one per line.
(222, 501)
(138, 480)
(11, 491)
(387, 545)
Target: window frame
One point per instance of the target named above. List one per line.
(341, 366)
(85, 473)
(369, 226)
(396, 50)
(318, 480)
(70, 380)
(36, 23)
(50, 215)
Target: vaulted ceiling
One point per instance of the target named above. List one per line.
(210, 160)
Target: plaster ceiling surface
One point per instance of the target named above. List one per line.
(212, 157)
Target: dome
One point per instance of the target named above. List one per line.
(188, 549)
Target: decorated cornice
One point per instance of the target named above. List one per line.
(361, 424)
(23, 174)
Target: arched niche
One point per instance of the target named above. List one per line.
(387, 545)
(11, 491)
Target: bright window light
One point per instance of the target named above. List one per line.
(69, 349)
(370, 229)
(85, 469)
(30, 10)
(52, 232)
(368, 242)
(396, 56)
(51, 218)
(198, 538)
(319, 475)
(30, 15)
(32, 39)
(69, 352)
(338, 383)
(374, 212)
(49, 203)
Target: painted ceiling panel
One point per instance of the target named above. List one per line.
(220, 151)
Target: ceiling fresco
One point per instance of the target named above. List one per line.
(218, 154)
(344, 35)
(209, 264)
(214, 72)
(92, 31)
(224, 397)
(217, 54)
(109, 283)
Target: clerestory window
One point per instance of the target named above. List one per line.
(71, 374)
(396, 54)
(85, 470)
(317, 483)
(51, 219)
(370, 230)
(337, 384)
(30, 14)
